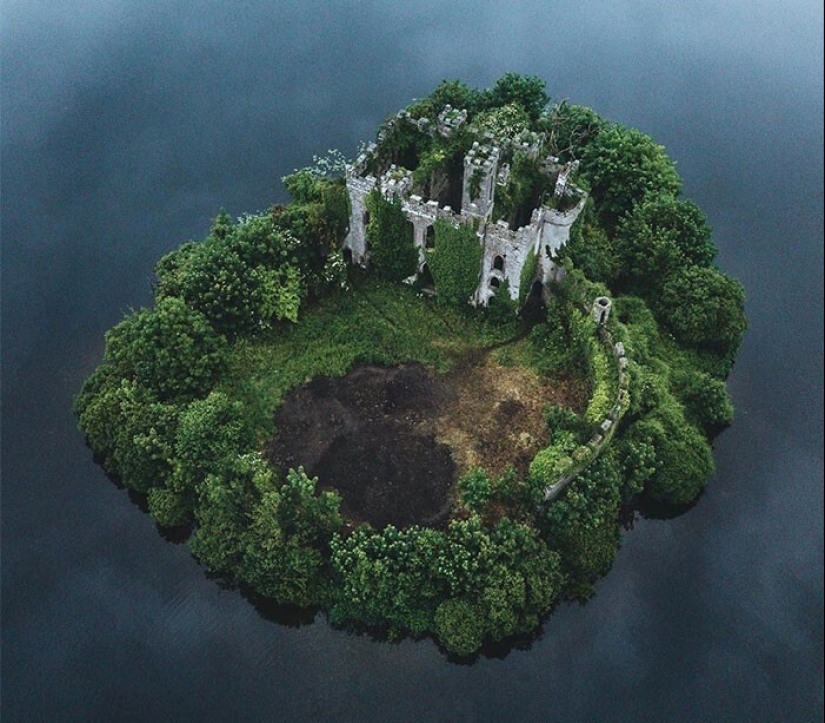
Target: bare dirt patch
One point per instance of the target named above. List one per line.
(394, 441)
(496, 418)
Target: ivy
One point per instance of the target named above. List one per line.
(455, 262)
(390, 238)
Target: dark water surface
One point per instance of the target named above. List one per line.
(126, 125)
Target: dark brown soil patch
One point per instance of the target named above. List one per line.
(394, 441)
(370, 435)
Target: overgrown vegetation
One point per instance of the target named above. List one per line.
(184, 400)
(390, 239)
(455, 262)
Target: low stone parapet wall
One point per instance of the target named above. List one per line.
(586, 454)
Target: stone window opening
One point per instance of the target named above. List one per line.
(498, 263)
(430, 240)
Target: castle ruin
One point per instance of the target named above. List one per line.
(506, 250)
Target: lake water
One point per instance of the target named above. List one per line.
(127, 125)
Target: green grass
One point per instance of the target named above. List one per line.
(375, 322)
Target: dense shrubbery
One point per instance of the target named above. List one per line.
(623, 166)
(185, 396)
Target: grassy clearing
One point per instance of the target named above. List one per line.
(375, 322)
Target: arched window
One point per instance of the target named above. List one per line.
(430, 242)
(498, 263)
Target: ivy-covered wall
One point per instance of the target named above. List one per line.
(390, 238)
(455, 262)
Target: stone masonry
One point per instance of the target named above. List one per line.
(505, 250)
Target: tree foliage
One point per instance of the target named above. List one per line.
(318, 219)
(705, 308)
(658, 237)
(171, 349)
(529, 92)
(241, 277)
(623, 166)
(130, 430)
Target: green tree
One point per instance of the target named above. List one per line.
(660, 236)
(390, 237)
(277, 565)
(211, 433)
(527, 91)
(475, 489)
(571, 128)
(457, 94)
(241, 277)
(132, 433)
(387, 578)
(704, 308)
(318, 218)
(683, 460)
(311, 518)
(581, 525)
(459, 624)
(706, 400)
(623, 166)
(504, 121)
(170, 349)
(590, 249)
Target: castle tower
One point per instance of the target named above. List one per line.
(479, 183)
(358, 188)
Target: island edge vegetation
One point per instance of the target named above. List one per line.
(629, 308)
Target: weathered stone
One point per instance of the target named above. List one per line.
(601, 309)
(505, 250)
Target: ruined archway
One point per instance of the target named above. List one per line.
(534, 309)
(425, 277)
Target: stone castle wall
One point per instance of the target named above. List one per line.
(505, 250)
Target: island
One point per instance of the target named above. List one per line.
(424, 396)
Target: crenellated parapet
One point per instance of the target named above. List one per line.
(479, 182)
(505, 254)
(505, 250)
(450, 120)
(358, 188)
(396, 182)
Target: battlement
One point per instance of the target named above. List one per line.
(506, 251)
(480, 177)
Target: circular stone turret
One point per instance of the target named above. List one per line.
(601, 309)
